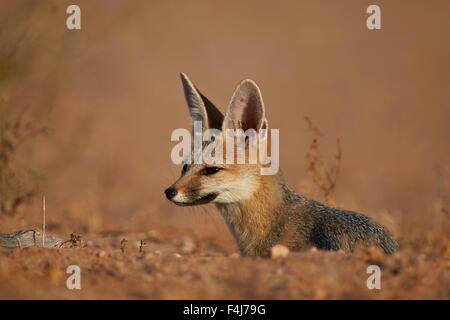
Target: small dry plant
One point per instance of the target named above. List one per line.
(323, 175)
(75, 241)
(14, 132)
(123, 244)
(141, 246)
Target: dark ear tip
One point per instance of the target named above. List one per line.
(183, 76)
(187, 83)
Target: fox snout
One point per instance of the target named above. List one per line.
(191, 199)
(170, 193)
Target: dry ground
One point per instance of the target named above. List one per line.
(181, 267)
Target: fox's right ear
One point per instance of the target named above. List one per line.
(200, 108)
(246, 109)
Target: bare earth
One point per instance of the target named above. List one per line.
(180, 267)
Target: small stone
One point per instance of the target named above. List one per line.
(186, 245)
(177, 255)
(279, 251)
(234, 255)
(101, 254)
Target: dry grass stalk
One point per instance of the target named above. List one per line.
(19, 243)
(323, 177)
(443, 188)
(43, 221)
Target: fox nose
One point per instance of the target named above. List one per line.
(170, 193)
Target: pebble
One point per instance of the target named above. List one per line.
(186, 245)
(279, 251)
(101, 254)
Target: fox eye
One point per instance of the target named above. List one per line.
(210, 170)
(183, 171)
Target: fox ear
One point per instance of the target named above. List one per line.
(200, 108)
(246, 109)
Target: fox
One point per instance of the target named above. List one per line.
(261, 211)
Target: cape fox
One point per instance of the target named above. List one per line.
(260, 210)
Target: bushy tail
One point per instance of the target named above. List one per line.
(384, 240)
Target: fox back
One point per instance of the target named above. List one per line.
(259, 209)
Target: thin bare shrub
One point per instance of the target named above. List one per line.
(325, 176)
(24, 111)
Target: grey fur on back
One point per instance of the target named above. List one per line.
(330, 228)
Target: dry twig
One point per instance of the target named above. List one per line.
(43, 221)
(323, 177)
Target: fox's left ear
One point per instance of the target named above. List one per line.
(246, 109)
(200, 108)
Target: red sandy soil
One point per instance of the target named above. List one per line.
(180, 267)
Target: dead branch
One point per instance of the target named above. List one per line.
(27, 238)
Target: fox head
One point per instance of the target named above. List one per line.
(230, 181)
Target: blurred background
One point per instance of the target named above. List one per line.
(86, 115)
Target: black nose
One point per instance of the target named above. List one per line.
(170, 193)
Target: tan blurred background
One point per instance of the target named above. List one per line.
(110, 96)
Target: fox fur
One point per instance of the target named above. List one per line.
(260, 210)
